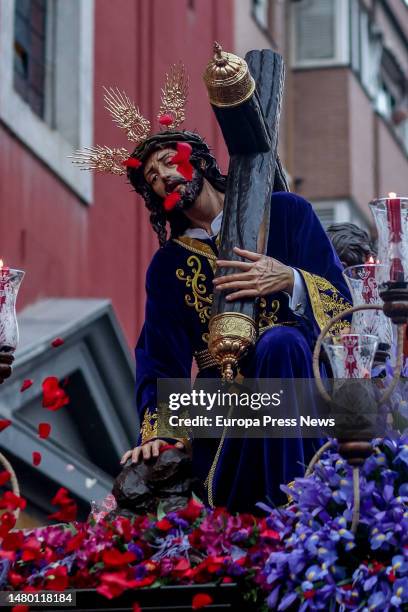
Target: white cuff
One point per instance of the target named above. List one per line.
(298, 299)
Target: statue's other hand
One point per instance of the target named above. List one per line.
(147, 450)
(6, 359)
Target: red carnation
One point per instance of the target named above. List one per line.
(15, 579)
(26, 384)
(114, 558)
(201, 600)
(13, 541)
(164, 525)
(56, 579)
(171, 200)
(4, 423)
(7, 522)
(4, 477)
(44, 430)
(61, 497)
(57, 342)
(31, 550)
(192, 511)
(36, 458)
(166, 120)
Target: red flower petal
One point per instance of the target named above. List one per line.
(67, 514)
(186, 170)
(36, 458)
(75, 542)
(171, 200)
(61, 497)
(44, 430)
(11, 501)
(114, 558)
(182, 159)
(57, 342)
(183, 153)
(20, 609)
(201, 600)
(54, 397)
(166, 120)
(4, 423)
(4, 477)
(26, 384)
(132, 162)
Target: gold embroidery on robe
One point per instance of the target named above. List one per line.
(267, 318)
(198, 247)
(148, 429)
(198, 299)
(325, 300)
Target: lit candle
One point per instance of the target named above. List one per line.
(395, 232)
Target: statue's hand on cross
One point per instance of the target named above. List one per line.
(261, 275)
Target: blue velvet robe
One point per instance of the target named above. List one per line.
(179, 298)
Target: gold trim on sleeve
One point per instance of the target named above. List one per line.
(148, 429)
(324, 305)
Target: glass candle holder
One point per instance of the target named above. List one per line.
(391, 218)
(10, 281)
(351, 355)
(363, 281)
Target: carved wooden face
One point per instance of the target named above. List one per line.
(163, 178)
(161, 174)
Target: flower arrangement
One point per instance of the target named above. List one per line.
(194, 545)
(300, 557)
(324, 566)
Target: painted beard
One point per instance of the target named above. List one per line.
(190, 192)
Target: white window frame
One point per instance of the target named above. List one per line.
(341, 42)
(47, 143)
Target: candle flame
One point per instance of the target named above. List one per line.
(392, 195)
(370, 260)
(1, 263)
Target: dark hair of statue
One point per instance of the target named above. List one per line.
(351, 243)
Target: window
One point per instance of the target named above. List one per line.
(392, 96)
(260, 11)
(29, 52)
(319, 32)
(46, 76)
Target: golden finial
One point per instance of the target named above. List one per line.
(126, 115)
(101, 159)
(174, 96)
